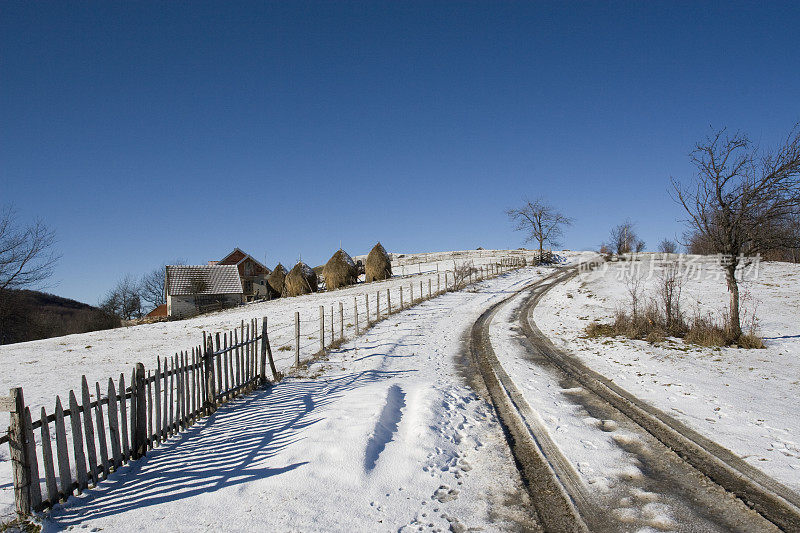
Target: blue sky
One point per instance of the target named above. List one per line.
(143, 132)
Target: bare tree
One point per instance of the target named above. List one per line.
(624, 239)
(739, 199)
(670, 286)
(667, 246)
(541, 222)
(634, 285)
(124, 300)
(26, 252)
(151, 286)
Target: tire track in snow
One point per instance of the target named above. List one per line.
(557, 491)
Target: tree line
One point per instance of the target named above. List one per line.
(133, 297)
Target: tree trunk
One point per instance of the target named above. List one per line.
(733, 289)
(541, 249)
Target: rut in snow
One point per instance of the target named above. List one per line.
(386, 426)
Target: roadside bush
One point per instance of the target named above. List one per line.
(660, 316)
(461, 274)
(706, 331)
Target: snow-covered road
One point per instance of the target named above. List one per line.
(621, 476)
(383, 434)
(746, 400)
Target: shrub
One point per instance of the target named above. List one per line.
(657, 318)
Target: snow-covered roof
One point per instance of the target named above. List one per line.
(184, 280)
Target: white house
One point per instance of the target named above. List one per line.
(196, 289)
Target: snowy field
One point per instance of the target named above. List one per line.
(52, 367)
(382, 435)
(746, 400)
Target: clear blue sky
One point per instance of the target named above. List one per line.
(144, 131)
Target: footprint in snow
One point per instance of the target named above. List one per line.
(445, 494)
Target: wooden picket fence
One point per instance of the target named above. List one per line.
(128, 420)
(98, 436)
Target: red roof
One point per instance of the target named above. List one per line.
(161, 310)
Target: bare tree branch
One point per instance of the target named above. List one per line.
(624, 239)
(151, 286)
(742, 202)
(540, 221)
(26, 256)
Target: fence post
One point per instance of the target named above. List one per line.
(366, 303)
(341, 321)
(429, 288)
(401, 298)
(19, 460)
(377, 306)
(208, 373)
(388, 302)
(321, 328)
(269, 352)
(219, 362)
(297, 339)
(140, 429)
(262, 371)
(438, 282)
(355, 313)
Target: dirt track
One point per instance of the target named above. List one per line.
(697, 476)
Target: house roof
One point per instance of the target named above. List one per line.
(161, 310)
(245, 256)
(184, 280)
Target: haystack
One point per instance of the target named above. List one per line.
(339, 271)
(275, 281)
(300, 280)
(378, 265)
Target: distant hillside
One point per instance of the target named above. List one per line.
(31, 315)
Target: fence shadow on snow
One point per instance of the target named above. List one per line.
(231, 447)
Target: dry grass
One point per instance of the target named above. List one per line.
(651, 326)
(23, 525)
(749, 341)
(378, 266)
(659, 316)
(275, 281)
(340, 271)
(300, 280)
